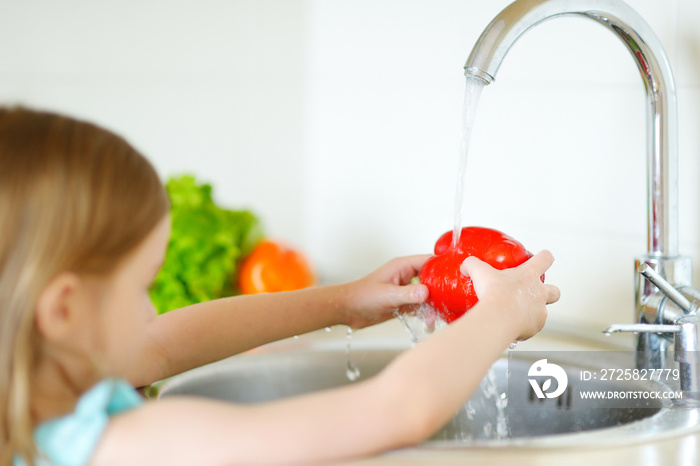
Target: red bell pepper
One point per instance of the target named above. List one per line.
(451, 293)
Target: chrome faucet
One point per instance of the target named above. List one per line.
(651, 305)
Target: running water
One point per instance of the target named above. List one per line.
(490, 390)
(472, 93)
(352, 372)
(484, 416)
(421, 322)
(424, 320)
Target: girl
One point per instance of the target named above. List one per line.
(84, 227)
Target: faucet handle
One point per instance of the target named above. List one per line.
(686, 339)
(666, 288)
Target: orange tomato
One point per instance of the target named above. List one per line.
(273, 267)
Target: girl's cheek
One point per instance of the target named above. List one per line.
(149, 309)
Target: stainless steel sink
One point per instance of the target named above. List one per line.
(496, 415)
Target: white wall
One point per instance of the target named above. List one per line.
(213, 87)
(338, 121)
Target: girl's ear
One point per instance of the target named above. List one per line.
(57, 312)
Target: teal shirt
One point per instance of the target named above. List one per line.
(71, 440)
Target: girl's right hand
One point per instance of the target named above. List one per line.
(518, 291)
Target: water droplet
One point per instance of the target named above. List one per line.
(471, 412)
(513, 345)
(296, 337)
(329, 329)
(352, 372)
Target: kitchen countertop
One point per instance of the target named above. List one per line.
(681, 450)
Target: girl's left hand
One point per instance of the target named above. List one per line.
(375, 298)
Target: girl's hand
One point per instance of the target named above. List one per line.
(375, 298)
(518, 292)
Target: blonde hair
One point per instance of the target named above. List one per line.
(73, 197)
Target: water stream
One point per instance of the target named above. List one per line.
(424, 320)
(352, 372)
(472, 95)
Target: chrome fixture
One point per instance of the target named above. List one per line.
(651, 305)
(685, 328)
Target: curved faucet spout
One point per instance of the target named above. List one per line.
(648, 53)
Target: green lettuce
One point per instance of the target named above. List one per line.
(206, 246)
